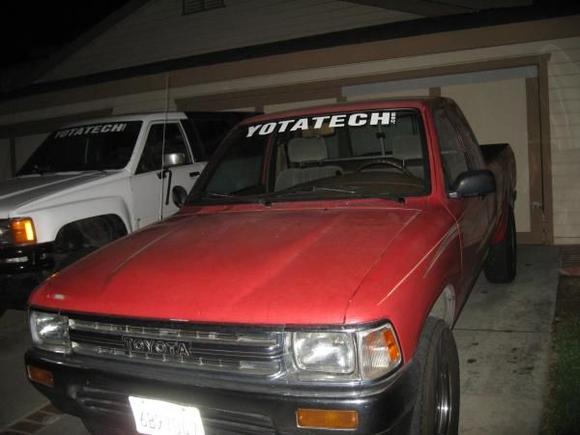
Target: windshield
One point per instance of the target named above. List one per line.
(358, 154)
(89, 147)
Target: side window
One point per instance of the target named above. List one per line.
(452, 151)
(151, 159)
(471, 146)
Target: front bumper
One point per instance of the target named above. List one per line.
(22, 268)
(26, 259)
(98, 390)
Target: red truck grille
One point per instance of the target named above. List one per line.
(252, 352)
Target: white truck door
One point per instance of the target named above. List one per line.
(146, 183)
(180, 169)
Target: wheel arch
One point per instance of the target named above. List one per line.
(115, 220)
(49, 221)
(444, 306)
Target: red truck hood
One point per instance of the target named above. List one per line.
(260, 266)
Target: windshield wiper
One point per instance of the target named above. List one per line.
(353, 191)
(332, 189)
(37, 169)
(230, 196)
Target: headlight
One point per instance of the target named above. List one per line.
(50, 331)
(343, 356)
(326, 352)
(23, 231)
(5, 233)
(17, 231)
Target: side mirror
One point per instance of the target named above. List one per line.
(173, 159)
(473, 183)
(179, 195)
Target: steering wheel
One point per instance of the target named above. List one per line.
(389, 161)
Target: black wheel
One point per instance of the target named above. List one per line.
(436, 410)
(80, 238)
(501, 263)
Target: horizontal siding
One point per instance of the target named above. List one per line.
(566, 94)
(571, 68)
(564, 85)
(158, 31)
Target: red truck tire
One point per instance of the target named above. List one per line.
(437, 405)
(500, 265)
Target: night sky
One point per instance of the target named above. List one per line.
(32, 30)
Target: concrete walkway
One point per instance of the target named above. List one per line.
(504, 342)
(503, 337)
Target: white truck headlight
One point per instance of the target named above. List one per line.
(17, 231)
(5, 232)
(50, 331)
(327, 352)
(358, 355)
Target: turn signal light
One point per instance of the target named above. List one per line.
(326, 419)
(40, 376)
(22, 231)
(392, 346)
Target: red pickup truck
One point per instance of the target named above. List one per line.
(308, 285)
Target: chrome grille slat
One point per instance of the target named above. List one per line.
(248, 339)
(220, 350)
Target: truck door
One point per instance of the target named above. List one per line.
(166, 164)
(471, 213)
(180, 169)
(475, 159)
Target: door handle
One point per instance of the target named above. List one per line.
(163, 173)
(194, 174)
(167, 171)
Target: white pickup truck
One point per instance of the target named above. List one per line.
(92, 182)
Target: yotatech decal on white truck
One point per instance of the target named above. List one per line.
(91, 129)
(316, 122)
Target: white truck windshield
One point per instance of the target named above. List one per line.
(88, 147)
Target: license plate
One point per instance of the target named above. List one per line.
(157, 417)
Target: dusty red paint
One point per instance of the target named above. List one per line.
(296, 263)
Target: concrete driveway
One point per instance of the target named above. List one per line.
(504, 343)
(503, 337)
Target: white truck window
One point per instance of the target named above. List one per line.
(151, 159)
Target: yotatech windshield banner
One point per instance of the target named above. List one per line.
(91, 129)
(316, 122)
